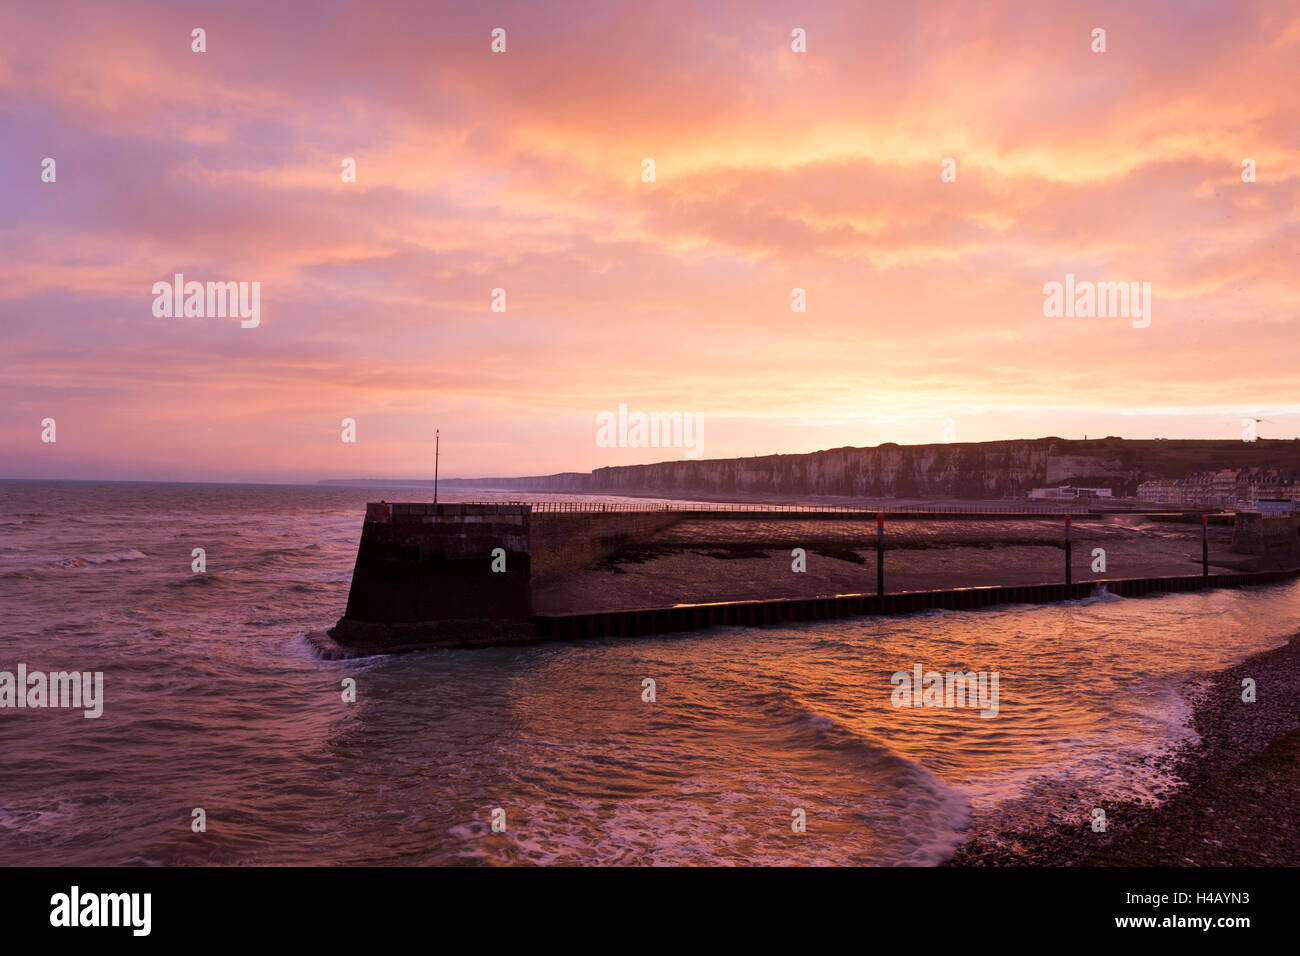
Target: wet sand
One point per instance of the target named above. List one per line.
(705, 560)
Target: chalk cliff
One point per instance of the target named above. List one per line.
(994, 469)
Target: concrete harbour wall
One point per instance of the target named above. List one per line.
(1275, 536)
(561, 543)
(462, 575)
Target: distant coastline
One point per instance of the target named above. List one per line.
(992, 470)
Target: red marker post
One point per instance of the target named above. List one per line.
(1067, 549)
(880, 552)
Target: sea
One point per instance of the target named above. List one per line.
(225, 740)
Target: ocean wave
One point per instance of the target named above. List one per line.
(208, 579)
(304, 647)
(72, 562)
(36, 818)
(125, 554)
(933, 814)
(289, 552)
(932, 612)
(331, 577)
(1100, 595)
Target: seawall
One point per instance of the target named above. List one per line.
(563, 542)
(423, 576)
(1273, 536)
(462, 575)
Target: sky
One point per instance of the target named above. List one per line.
(524, 171)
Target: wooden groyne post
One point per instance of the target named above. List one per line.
(1067, 549)
(880, 552)
(1205, 546)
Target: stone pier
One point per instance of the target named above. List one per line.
(1272, 536)
(461, 575)
(424, 577)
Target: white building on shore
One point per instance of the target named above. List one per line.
(1067, 493)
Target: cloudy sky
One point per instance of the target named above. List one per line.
(523, 170)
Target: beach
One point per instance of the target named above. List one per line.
(1237, 798)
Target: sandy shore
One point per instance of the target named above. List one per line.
(702, 560)
(1239, 803)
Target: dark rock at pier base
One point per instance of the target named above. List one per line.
(358, 638)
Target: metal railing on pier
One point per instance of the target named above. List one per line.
(596, 507)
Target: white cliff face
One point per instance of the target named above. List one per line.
(984, 470)
(995, 469)
(972, 471)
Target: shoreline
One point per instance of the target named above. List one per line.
(1236, 802)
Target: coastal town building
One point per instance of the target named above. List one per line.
(1195, 490)
(1161, 491)
(1068, 492)
(1240, 488)
(1283, 485)
(1223, 488)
